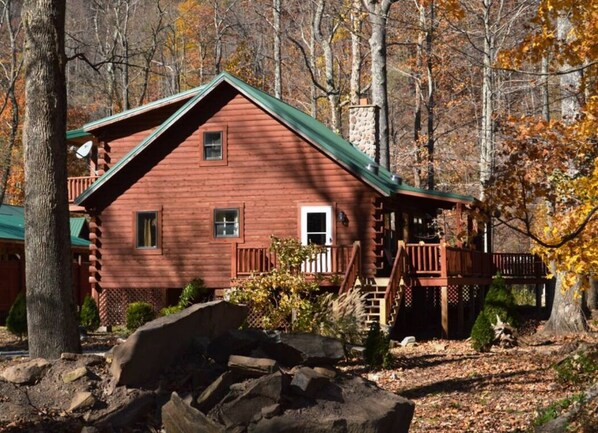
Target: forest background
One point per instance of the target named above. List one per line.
(469, 83)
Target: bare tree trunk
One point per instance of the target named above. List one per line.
(417, 111)
(545, 90)
(356, 57)
(487, 151)
(332, 91)
(12, 72)
(50, 304)
(277, 50)
(378, 17)
(567, 314)
(431, 102)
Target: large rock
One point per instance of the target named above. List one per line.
(179, 417)
(360, 406)
(305, 349)
(215, 392)
(26, 372)
(154, 346)
(251, 367)
(263, 392)
(239, 342)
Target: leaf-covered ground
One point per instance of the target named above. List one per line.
(456, 389)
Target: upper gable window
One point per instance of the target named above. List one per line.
(212, 146)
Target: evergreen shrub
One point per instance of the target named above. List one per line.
(90, 315)
(377, 348)
(500, 303)
(139, 313)
(16, 322)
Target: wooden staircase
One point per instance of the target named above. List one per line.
(376, 302)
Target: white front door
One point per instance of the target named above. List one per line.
(316, 228)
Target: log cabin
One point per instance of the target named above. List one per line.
(195, 184)
(12, 257)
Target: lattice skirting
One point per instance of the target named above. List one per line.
(114, 303)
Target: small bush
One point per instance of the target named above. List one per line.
(555, 409)
(499, 302)
(16, 322)
(482, 334)
(167, 311)
(341, 316)
(139, 313)
(90, 315)
(194, 291)
(577, 369)
(377, 348)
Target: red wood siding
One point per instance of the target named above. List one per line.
(271, 171)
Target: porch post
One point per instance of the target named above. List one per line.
(233, 260)
(460, 318)
(444, 316)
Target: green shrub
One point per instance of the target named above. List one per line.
(90, 315)
(167, 311)
(482, 333)
(283, 298)
(554, 410)
(499, 302)
(194, 291)
(139, 313)
(578, 368)
(377, 348)
(16, 322)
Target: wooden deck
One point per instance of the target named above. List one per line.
(75, 186)
(425, 265)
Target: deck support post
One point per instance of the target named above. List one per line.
(460, 318)
(472, 306)
(538, 297)
(444, 311)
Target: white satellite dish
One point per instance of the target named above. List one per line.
(84, 150)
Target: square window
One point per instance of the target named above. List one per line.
(212, 146)
(146, 230)
(226, 223)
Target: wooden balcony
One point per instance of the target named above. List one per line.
(431, 265)
(329, 266)
(76, 185)
(441, 265)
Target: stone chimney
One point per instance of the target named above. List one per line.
(364, 128)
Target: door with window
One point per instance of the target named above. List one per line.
(316, 228)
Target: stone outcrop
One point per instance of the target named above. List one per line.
(154, 346)
(26, 372)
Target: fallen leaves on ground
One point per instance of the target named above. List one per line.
(456, 389)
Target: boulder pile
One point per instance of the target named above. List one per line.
(195, 371)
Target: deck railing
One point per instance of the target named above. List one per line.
(440, 260)
(399, 271)
(333, 260)
(353, 269)
(76, 185)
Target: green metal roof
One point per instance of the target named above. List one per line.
(141, 109)
(77, 225)
(309, 128)
(77, 133)
(12, 226)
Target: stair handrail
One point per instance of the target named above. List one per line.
(399, 270)
(353, 269)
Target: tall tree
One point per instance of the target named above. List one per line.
(51, 317)
(552, 167)
(378, 16)
(8, 103)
